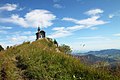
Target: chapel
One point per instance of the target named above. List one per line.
(40, 34)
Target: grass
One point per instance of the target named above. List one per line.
(40, 60)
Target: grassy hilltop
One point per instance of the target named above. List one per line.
(42, 60)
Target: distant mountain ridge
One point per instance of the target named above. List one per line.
(92, 59)
(108, 53)
(111, 56)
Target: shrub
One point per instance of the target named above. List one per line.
(65, 48)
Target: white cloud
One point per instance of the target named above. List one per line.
(111, 16)
(15, 19)
(76, 27)
(8, 7)
(3, 32)
(118, 34)
(22, 33)
(94, 12)
(57, 6)
(18, 39)
(70, 19)
(27, 32)
(115, 14)
(20, 9)
(94, 28)
(61, 33)
(33, 18)
(72, 28)
(40, 17)
(92, 37)
(91, 22)
(58, 28)
(5, 27)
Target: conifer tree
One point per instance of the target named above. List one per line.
(1, 48)
(55, 42)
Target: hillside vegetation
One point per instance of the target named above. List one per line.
(42, 60)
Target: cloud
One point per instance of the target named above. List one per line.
(22, 33)
(59, 34)
(27, 32)
(57, 6)
(33, 18)
(115, 14)
(76, 27)
(111, 16)
(92, 37)
(20, 9)
(39, 17)
(90, 22)
(8, 7)
(16, 39)
(21, 38)
(94, 12)
(93, 21)
(72, 28)
(118, 34)
(3, 32)
(94, 28)
(15, 19)
(64, 31)
(58, 28)
(70, 19)
(5, 27)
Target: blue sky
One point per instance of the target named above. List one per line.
(95, 23)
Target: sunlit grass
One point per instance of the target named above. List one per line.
(39, 60)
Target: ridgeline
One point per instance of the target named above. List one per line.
(42, 60)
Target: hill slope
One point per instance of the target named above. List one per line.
(40, 60)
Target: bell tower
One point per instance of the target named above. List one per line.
(38, 34)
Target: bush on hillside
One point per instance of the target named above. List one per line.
(65, 48)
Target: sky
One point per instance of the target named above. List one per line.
(84, 25)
